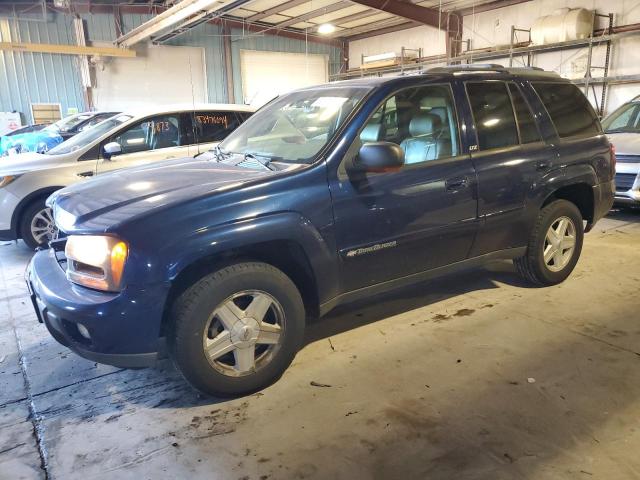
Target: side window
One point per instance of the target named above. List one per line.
(526, 123)
(569, 109)
(214, 126)
(625, 121)
(153, 133)
(94, 121)
(493, 115)
(421, 120)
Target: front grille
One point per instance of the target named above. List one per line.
(624, 181)
(628, 158)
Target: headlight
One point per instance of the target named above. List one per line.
(6, 180)
(96, 261)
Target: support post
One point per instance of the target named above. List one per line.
(228, 62)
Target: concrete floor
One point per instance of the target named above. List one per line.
(475, 376)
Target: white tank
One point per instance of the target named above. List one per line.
(562, 25)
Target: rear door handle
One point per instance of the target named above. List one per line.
(90, 173)
(543, 165)
(457, 183)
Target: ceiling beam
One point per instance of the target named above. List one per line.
(63, 49)
(263, 28)
(355, 16)
(334, 7)
(277, 9)
(373, 30)
(485, 7)
(410, 11)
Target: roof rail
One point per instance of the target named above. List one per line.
(492, 67)
(468, 67)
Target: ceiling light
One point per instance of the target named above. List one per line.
(326, 28)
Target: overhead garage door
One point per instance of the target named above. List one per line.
(268, 74)
(159, 75)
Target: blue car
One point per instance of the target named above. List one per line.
(326, 195)
(43, 139)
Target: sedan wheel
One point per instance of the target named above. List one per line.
(43, 228)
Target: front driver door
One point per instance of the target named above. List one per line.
(422, 216)
(156, 138)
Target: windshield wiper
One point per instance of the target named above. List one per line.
(219, 153)
(264, 162)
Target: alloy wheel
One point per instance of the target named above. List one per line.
(43, 228)
(559, 244)
(244, 333)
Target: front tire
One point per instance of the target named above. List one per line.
(237, 330)
(37, 227)
(554, 245)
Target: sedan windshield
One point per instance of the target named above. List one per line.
(625, 119)
(87, 137)
(69, 122)
(296, 126)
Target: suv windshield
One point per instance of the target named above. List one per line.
(624, 119)
(295, 127)
(86, 137)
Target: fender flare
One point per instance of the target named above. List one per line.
(243, 234)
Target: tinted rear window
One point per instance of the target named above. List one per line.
(526, 123)
(569, 109)
(215, 126)
(493, 115)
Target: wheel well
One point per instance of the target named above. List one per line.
(580, 194)
(285, 255)
(25, 203)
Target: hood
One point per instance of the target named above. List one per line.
(625, 143)
(117, 197)
(27, 162)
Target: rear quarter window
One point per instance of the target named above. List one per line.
(570, 111)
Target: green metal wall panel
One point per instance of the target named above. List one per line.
(27, 78)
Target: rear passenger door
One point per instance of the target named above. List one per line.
(510, 156)
(211, 127)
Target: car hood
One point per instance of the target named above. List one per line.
(117, 197)
(625, 143)
(27, 162)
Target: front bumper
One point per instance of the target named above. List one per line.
(8, 205)
(124, 327)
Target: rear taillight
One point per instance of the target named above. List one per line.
(613, 159)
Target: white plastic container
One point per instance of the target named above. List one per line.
(562, 25)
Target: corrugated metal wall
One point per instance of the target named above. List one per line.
(34, 77)
(27, 78)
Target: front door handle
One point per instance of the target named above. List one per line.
(453, 184)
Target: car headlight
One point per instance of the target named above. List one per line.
(6, 180)
(96, 261)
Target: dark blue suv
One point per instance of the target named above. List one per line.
(326, 195)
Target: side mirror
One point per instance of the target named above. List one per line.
(111, 149)
(380, 157)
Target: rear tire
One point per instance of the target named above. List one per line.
(36, 225)
(554, 245)
(237, 330)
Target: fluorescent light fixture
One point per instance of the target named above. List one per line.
(326, 28)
